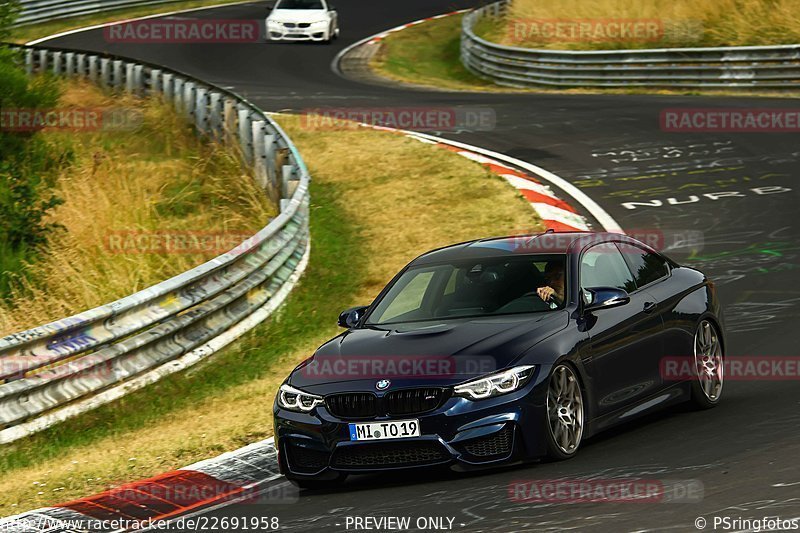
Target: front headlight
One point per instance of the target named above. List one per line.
(495, 384)
(319, 22)
(297, 400)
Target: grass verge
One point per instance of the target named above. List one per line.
(427, 54)
(24, 34)
(678, 23)
(367, 221)
(122, 190)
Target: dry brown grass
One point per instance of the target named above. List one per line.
(403, 197)
(159, 177)
(686, 23)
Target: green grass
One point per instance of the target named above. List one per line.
(12, 265)
(25, 34)
(329, 282)
(427, 54)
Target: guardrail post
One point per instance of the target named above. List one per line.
(69, 64)
(245, 133)
(57, 63)
(289, 181)
(177, 98)
(229, 119)
(105, 71)
(80, 65)
(259, 154)
(156, 82)
(129, 81)
(201, 109)
(271, 167)
(215, 117)
(188, 98)
(93, 62)
(138, 79)
(116, 80)
(167, 87)
(42, 60)
(29, 62)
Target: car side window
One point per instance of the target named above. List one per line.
(647, 267)
(603, 266)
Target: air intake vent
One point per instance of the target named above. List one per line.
(352, 405)
(413, 401)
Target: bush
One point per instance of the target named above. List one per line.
(28, 168)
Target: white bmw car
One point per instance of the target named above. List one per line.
(303, 20)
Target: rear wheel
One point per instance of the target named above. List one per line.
(709, 366)
(565, 413)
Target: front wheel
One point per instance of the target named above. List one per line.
(565, 413)
(709, 366)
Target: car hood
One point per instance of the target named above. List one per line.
(298, 15)
(423, 353)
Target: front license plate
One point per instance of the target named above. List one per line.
(395, 429)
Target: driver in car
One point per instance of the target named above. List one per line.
(553, 292)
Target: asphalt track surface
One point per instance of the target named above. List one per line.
(745, 452)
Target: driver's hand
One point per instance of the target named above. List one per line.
(545, 293)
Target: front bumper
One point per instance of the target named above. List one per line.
(460, 434)
(312, 33)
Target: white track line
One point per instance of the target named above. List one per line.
(603, 218)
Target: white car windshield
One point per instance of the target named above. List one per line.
(300, 4)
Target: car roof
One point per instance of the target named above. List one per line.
(548, 243)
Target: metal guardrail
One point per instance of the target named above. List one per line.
(50, 366)
(767, 67)
(35, 11)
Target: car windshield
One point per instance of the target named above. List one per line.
(300, 4)
(474, 288)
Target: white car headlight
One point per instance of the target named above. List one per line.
(320, 22)
(297, 400)
(495, 384)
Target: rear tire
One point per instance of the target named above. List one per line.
(564, 421)
(708, 365)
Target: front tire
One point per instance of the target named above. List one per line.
(565, 413)
(709, 366)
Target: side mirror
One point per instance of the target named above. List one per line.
(351, 317)
(597, 298)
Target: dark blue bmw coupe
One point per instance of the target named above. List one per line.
(498, 351)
